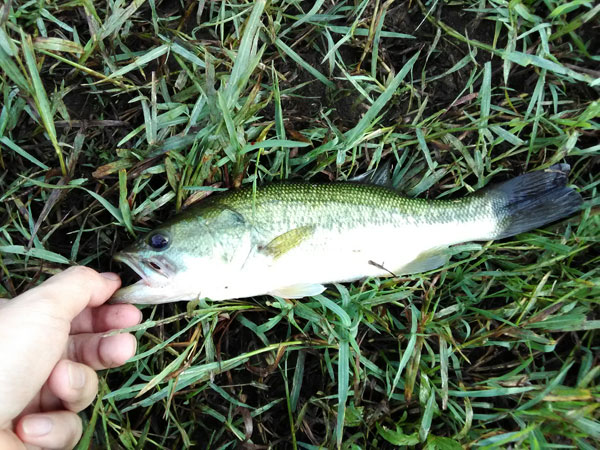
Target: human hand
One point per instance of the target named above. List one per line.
(51, 343)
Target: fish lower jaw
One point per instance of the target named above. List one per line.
(152, 284)
(153, 291)
(142, 294)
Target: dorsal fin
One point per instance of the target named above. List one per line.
(380, 175)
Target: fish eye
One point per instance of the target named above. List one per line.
(159, 241)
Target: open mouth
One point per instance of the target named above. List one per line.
(135, 265)
(147, 268)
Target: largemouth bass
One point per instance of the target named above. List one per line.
(290, 239)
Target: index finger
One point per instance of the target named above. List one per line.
(71, 291)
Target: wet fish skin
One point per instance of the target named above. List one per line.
(289, 239)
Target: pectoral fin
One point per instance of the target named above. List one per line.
(426, 261)
(299, 290)
(287, 241)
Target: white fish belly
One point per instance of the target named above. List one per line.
(329, 257)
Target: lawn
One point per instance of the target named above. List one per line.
(116, 115)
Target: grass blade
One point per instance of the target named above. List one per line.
(38, 92)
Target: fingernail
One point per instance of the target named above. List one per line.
(110, 276)
(37, 426)
(114, 350)
(133, 345)
(76, 376)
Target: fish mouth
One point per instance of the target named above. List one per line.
(153, 271)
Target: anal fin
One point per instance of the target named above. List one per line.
(426, 261)
(299, 290)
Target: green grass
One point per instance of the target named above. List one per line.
(115, 115)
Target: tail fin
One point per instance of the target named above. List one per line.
(534, 199)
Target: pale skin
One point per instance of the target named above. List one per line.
(52, 341)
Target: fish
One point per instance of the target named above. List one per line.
(290, 239)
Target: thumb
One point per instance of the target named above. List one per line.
(71, 291)
(34, 331)
(10, 441)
